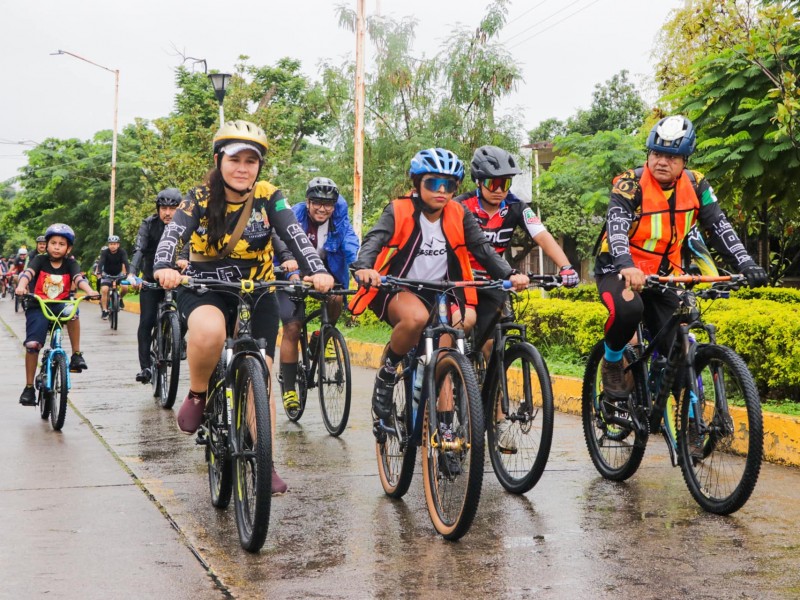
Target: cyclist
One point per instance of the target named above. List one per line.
(650, 212)
(52, 275)
(441, 231)
(207, 219)
(499, 213)
(17, 264)
(113, 261)
(150, 231)
(325, 222)
(41, 245)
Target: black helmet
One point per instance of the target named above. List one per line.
(322, 188)
(491, 161)
(41, 238)
(169, 197)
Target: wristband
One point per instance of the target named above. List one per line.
(25, 275)
(566, 267)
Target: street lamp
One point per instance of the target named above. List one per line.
(220, 82)
(113, 139)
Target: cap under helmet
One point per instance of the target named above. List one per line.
(491, 161)
(322, 188)
(673, 135)
(62, 230)
(169, 197)
(243, 133)
(438, 161)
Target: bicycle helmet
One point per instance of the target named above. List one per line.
(322, 188)
(62, 230)
(22, 250)
(40, 238)
(673, 135)
(491, 161)
(169, 197)
(438, 161)
(235, 136)
(113, 239)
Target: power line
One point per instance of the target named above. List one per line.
(554, 24)
(542, 21)
(517, 18)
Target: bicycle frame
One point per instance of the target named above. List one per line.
(57, 322)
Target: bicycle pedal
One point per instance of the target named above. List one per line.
(201, 439)
(379, 432)
(509, 451)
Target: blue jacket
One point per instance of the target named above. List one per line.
(342, 243)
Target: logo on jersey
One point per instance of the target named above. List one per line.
(530, 217)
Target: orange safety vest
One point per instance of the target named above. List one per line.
(657, 237)
(405, 224)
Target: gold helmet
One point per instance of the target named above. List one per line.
(244, 134)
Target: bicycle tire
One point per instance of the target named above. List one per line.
(43, 399)
(721, 466)
(395, 451)
(113, 310)
(155, 380)
(616, 449)
(17, 302)
(519, 443)
(217, 429)
(59, 391)
(169, 365)
(334, 383)
(452, 493)
(252, 458)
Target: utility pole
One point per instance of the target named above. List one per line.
(358, 133)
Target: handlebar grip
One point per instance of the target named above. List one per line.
(507, 285)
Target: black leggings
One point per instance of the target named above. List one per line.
(148, 305)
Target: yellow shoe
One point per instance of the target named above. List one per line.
(290, 400)
(330, 352)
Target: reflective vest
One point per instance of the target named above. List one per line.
(405, 225)
(657, 237)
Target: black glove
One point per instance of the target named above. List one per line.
(756, 276)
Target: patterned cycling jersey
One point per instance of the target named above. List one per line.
(499, 227)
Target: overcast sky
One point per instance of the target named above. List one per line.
(564, 48)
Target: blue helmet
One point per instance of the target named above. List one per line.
(436, 160)
(673, 135)
(62, 230)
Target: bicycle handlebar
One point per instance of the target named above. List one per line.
(72, 301)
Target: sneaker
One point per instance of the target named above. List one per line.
(77, 363)
(616, 381)
(330, 351)
(449, 464)
(28, 396)
(183, 349)
(144, 375)
(190, 414)
(291, 401)
(104, 314)
(382, 394)
(278, 485)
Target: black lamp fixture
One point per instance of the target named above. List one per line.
(220, 82)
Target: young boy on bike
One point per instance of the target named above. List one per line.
(52, 276)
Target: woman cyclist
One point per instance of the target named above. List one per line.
(207, 219)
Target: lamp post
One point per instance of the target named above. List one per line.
(113, 139)
(220, 82)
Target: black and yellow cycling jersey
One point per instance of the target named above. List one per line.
(251, 258)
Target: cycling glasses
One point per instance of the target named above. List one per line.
(434, 183)
(494, 184)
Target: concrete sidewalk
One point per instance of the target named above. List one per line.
(75, 522)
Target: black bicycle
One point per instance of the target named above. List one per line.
(324, 363)
(517, 397)
(165, 349)
(113, 302)
(700, 396)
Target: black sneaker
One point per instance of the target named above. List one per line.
(144, 375)
(28, 396)
(121, 304)
(76, 363)
(617, 382)
(382, 394)
(104, 314)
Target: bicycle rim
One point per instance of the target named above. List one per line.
(170, 363)
(59, 393)
(519, 442)
(220, 472)
(721, 464)
(616, 448)
(252, 457)
(334, 381)
(452, 471)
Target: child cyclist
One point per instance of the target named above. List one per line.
(52, 275)
(422, 236)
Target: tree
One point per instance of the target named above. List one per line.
(616, 105)
(547, 130)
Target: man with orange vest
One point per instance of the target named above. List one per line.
(423, 236)
(650, 213)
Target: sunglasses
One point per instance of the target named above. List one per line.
(494, 184)
(321, 203)
(434, 183)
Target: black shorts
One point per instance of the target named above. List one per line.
(291, 309)
(380, 302)
(264, 320)
(37, 325)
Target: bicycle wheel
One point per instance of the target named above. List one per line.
(155, 380)
(519, 442)
(452, 469)
(17, 303)
(169, 363)
(113, 310)
(59, 391)
(615, 445)
(721, 460)
(252, 453)
(43, 398)
(334, 381)
(215, 420)
(394, 449)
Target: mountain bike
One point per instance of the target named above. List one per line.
(114, 299)
(517, 397)
(324, 363)
(435, 385)
(700, 396)
(165, 349)
(236, 430)
(53, 380)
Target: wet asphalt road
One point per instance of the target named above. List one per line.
(335, 534)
